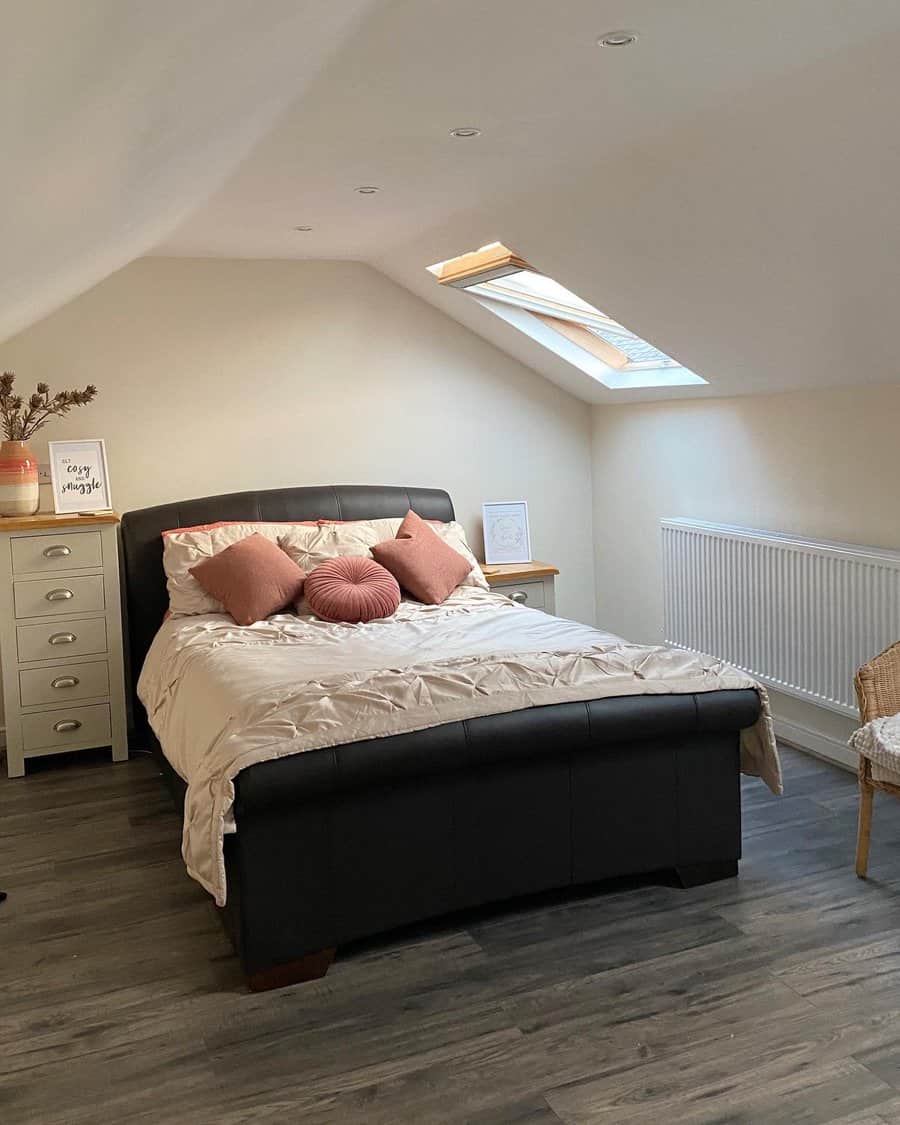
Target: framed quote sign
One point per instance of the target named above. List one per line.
(507, 536)
(79, 475)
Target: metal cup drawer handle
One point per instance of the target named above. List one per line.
(65, 681)
(63, 639)
(519, 596)
(58, 551)
(64, 726)
(61, 595)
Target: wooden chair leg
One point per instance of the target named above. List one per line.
(864, 831)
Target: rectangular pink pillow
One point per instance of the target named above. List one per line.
(422, 563)
(252, 578)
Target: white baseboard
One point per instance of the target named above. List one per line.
(815, 743)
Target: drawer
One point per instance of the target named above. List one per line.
(526, 593)
(62, 682)
(36, 553)
(51, 640)
(44, 596)
(69, 727)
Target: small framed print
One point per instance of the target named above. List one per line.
(507, 536)
(79, 475)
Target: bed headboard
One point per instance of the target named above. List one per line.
(144, 581)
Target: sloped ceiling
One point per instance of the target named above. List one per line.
(727, 187)
(120, 117)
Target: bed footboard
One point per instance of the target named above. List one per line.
(339, 844)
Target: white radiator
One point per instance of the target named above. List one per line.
(799, 614)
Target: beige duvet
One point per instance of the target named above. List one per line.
(222, 697)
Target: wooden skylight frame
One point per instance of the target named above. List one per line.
(584, 338)
(560, 320)
(486, 264)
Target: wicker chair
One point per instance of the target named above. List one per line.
(878, 694)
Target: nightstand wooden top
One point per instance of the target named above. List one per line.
(496, 573)
(48, 521)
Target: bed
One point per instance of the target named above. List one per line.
(350, 807)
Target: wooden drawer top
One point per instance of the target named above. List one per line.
(50, 521)
(496, 573)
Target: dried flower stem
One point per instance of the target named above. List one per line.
(19, 422)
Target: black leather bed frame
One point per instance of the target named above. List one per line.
(338, 844)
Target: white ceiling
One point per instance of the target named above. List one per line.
(119, 117)
(727, 187)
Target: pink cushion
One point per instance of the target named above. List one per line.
(252, 578)
(352, 589)
(422, 562)
(414, 525)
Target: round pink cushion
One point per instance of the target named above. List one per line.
(352, 589)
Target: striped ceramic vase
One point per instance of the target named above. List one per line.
(19, 492)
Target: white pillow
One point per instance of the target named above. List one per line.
(308, 546)
(185, 547)
(357, 537)
(454, 535)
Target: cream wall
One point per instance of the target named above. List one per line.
(221, 375)
(821, 464)
(216, 376)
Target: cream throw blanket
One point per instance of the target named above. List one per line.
(222, 697)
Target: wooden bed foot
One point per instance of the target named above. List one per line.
(696, 874)
(311, 967)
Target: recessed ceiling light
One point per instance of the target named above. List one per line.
(465, 131)
(368, 190)
(303, 228)
(617, 39)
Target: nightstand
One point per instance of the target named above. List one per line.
(61, 637)
(531, 584)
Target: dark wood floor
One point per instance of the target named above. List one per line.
(771, 998)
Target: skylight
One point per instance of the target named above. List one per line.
(560, 320)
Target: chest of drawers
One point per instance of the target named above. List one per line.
(61, 637)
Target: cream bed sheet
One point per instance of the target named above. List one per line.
(222, 697)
